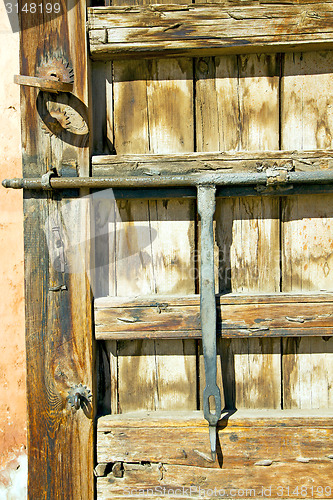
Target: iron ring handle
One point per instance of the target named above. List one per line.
(77, 401)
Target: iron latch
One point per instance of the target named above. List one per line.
(206, 209)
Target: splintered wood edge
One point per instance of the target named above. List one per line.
(245, 437)
(172, 317)
(299, 161)
(239, 418)
(150, 31)
(230, 298)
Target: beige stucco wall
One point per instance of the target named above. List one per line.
(12, 352)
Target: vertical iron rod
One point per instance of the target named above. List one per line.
(206, 209)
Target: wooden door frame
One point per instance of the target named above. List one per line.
(59, 341)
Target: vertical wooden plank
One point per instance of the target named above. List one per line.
(153, 112)
(236, 105)
(152, 257)
(131, 129)
(307, 101)
(307, 266)
(307, 373)
(137, 387)
(170, 105)
(249, 245)
(172, 252)
(58, 323)
(244, 94)
(307, 242)
(102, 120)
(207, 129)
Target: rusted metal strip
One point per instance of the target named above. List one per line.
(45, 84)
(206, 209)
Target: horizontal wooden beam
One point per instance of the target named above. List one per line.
(229, 162)
(244, 438)
(170, 317)
(209, 29)
(161, 482)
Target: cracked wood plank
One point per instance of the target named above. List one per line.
(228, 161)
(155, 481)
(238, 316)
(244, 438)
(192, 30)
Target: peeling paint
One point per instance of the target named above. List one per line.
(13, 479)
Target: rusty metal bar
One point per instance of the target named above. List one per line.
(196, 179)
(206, 209)
(46, 84)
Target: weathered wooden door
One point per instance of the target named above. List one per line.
(242, 86)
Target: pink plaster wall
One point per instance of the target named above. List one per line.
(12, 343)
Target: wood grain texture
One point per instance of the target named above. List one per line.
(192, 30)
(146, 248)
(228, 161)
(244, 438)
(237, 109)
(307, 265)
(307, 121)
(248, 237)
(176, 480)
(306, 101)
(238, 316)
(145, 479)
(242, 104)
(153, 113)
(58, 323)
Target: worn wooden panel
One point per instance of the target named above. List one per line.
(223, 161)
(244, 438)
(307, 368)
(307, 261)
(248, 236)
(307, 243)
(155, 481)
(306, 101)
(307, 122)
(244, 316)
(153, 113)
(58, 321)
(209, 29)
(238, 109)
(147, 268)
(131, 128)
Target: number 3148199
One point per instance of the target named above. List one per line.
(33, 8)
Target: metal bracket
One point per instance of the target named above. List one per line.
(46, 178)
(79, 396)
(277, 176)
(54, 76)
